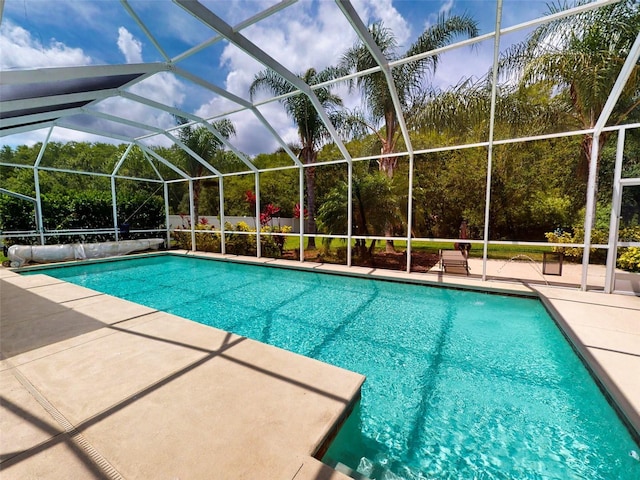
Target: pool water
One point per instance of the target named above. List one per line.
(459, 384)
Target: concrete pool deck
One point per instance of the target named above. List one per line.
(97, 387)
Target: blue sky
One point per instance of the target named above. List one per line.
(41, 33)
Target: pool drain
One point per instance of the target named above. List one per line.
(76, 437)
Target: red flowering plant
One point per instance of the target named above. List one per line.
(267, 214)
(250, 198)
(186, 220)
(268, 211)
(265, 219)
(206, 240)
(274, 241)
(296, 212)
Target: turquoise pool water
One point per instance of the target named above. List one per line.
(460, 385)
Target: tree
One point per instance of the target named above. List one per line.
(408, 77)
(532, 192)
(374, 203)
(312, 131)
(582, 56)
(205, 144)
(464, 111)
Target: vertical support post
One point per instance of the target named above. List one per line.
(590, 208)
(36, 181)
(302, 209)
(494, 87)
(38, 206)
(166, 213)
(349, 211)
(114, 208)
(614, 221)
(409, 213)
(257, 212)
(192, 212)
(223, 246)
(39, 224)
(113, 190)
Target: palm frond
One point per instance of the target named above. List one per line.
(442, 33)
(270, 82)
(312, 131)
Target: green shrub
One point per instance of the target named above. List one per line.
(82, 210)
(575, 253)
(182, 239)
(272, 245)
(630, 259)
(205, 242)
(273, 240)
(629, 234)
(239, 243)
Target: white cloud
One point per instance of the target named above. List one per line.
(130, 46)
(446, 7)
(20, 50)
(445, 10)
(299, 38)
(299, 41)
(62, 135)
(163, 87)
(462, 63)
(251, 136)
(383, 10)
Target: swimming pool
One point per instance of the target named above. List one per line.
(459, 384)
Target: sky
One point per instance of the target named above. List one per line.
(307, 33)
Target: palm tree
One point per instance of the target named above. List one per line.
(582, 56)
(207, 146)
(408, 77)
(311, 130)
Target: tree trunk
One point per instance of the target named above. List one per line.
(310, 175)
(388, 166)
(197, 187)
(362, 219)
(582, 172)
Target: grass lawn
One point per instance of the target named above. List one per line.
(499, 252)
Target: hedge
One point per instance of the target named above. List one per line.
(83, 210)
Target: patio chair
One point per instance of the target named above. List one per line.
(454, 261)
